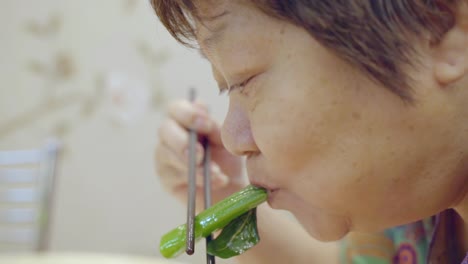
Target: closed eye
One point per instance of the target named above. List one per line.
(239, 86)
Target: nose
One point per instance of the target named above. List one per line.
(236, 131)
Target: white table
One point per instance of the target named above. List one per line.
(80, 258)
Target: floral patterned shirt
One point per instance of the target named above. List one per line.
(428, 241)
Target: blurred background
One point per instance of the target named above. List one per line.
(96, 75)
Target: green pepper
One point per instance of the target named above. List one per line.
(213, 218)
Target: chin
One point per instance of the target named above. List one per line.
(320, 224)
(325, 233)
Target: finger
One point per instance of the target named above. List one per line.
(202, 106)
(169, 169)
(181, 192)
(173, 135)
(177, 186)
(166, 157)
(174, 174)
(171, 177)
(190, 115)
(218, 179)
(196, 116)
(175, 138)
(214, 134)
(175, 179)
(168, 164)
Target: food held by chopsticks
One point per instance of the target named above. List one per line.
(234, 239)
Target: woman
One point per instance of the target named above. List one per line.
(352, 114)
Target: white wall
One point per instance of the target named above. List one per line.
(109, 199)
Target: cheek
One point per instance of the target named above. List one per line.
(314, 138)
(288, 130)
(298, 112)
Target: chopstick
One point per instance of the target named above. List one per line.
(192, 171)
(210, 259)
(193, 139)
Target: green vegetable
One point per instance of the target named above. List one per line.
(213, 218)
(237, 237)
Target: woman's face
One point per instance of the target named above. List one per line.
(339, 151)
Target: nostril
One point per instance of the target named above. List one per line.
(251, 154)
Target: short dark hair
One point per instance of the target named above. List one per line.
(376, 36)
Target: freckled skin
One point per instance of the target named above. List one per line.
(345, 153)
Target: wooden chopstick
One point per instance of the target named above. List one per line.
(192, 171)
(210, 259)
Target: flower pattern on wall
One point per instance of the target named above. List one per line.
(121, 96)
(126, 97)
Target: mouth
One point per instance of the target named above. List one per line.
(258, 178)
(271, 190)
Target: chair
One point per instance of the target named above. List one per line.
(27, 179)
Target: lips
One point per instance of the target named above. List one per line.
(259, 177)
(270, 188)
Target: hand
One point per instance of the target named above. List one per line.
(172, 154)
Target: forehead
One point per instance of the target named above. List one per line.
(210, 19)
(215, 18)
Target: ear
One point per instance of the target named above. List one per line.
(451, 54)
